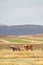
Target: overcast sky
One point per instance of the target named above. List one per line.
(21, 12)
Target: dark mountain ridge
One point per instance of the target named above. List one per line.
(21, 29)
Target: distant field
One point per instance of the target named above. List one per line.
(25, 40)
(22, 39)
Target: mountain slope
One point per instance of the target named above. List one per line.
(21, 29)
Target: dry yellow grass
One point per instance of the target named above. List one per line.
(21, 54)
(10, 57)
(22, 61)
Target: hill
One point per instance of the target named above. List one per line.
(21, 29)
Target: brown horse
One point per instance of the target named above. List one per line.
(28, 47)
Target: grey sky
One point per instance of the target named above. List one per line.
(21, 12)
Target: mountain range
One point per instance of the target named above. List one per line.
(21, 29)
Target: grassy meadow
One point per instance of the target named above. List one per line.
(10, 57)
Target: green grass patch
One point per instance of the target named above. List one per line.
(17, 40)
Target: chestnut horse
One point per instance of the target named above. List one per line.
(28, 47)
